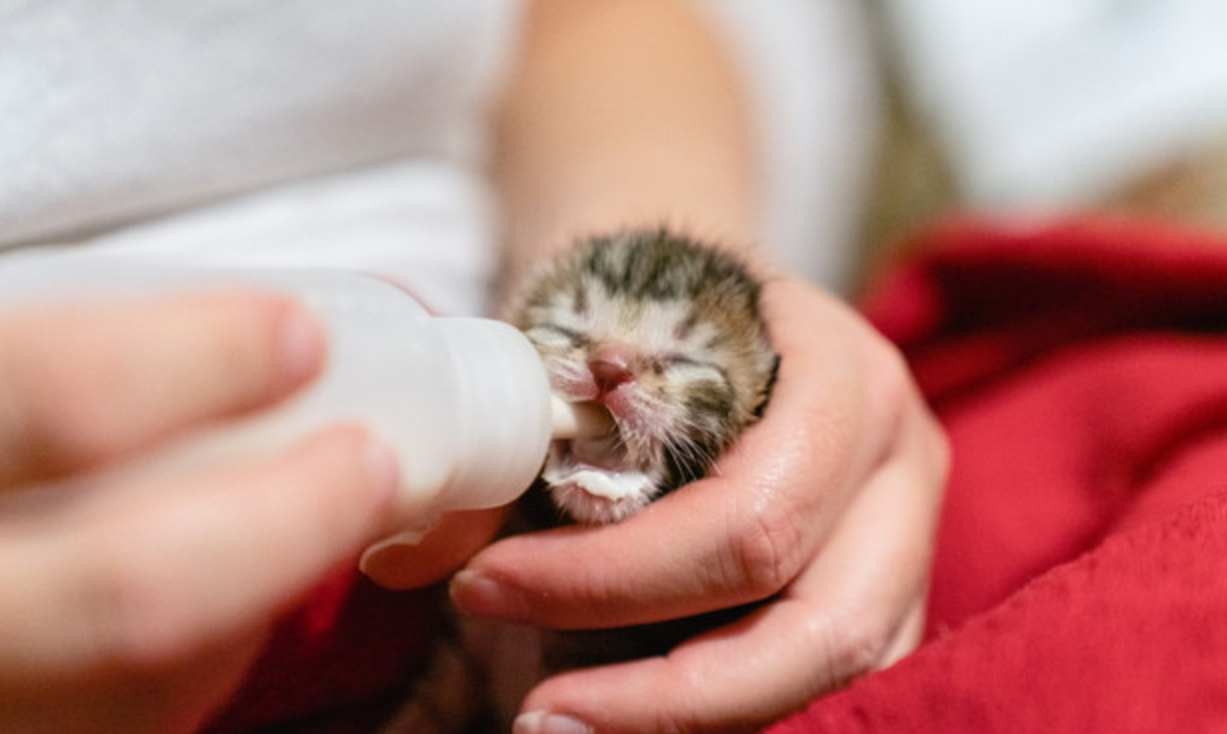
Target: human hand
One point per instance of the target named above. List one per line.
(135, 607)
(450, 542)
(826, 509)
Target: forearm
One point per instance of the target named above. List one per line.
(622, 113)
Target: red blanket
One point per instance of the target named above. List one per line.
(1079, 585)
(1080, 582)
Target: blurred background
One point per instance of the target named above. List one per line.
(1033, 108)
(875, 118)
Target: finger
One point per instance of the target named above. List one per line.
(844, 615)
(148, 577)
(85, 383)
(737, 536)
(907, 637)
(450, 543)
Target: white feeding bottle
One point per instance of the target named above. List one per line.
(464, 403)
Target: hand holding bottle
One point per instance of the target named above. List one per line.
(130, 607)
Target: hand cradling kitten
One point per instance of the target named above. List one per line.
(664, 333)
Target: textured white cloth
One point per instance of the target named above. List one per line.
(301, 132)
(311, 132)
(119, 110)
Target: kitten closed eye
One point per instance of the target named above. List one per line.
(690, 368)
(666, 333)
(553, 336)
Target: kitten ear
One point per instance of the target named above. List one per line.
(764, 394)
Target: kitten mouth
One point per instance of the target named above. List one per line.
(581, 498)
(598, 480)
(605, 454)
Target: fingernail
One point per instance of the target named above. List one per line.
(476, 593)
(301, 344)
(383, 559)
(544, 722)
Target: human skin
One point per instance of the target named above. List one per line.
(128, 605)
(625, 114)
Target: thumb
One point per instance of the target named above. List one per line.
(456, 537)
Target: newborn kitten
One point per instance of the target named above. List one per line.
(665, 334)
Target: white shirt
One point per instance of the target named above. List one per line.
(317, 133)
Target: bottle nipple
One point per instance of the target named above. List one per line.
(586, 419)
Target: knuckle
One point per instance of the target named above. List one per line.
(135, 621)
(939, 449)
(862, 650)
(66, 409)
(53, 413)
(599, 596)
(851, 648)
(244, 337)
(77, 415)
(889, 375)
(766, 551)
(892, 387)
(682, 712)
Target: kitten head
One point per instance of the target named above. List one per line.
(666, 334)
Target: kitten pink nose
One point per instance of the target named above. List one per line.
(610, 366)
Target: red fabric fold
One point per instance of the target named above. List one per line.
(336, 664)
(1079, 584)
